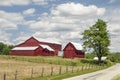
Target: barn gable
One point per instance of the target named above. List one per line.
(72, 50)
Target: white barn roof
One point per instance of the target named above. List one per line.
(77, 45)
(46, 40)
(47, 47)
(25, 48)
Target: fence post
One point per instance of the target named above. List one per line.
(82, 68)
(42, 73)
(66, 69)
(72, 68)
(16, 75)
(4, 76)
(32, 73)
(51, 71)
(60, 70)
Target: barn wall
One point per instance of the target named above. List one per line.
(22, 53)
(47, 53)
(71, 52)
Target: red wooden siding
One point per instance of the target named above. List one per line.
(26, 52)
(71, 52)
(38, 52)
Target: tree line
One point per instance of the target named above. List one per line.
(5, 49)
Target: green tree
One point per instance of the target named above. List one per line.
(97, 38)
(1, 47)
(6, 50)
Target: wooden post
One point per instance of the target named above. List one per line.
(66, 69)
(16, 75)
(32, 73)
(60, 70)
(51, 71)
(42, 73)
(82, 68)
(4, 76)
(72, 69)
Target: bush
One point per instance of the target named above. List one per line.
(89, 56)
(114, 57)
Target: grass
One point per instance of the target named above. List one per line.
(116, 77)
(24, 65)
(66, 75)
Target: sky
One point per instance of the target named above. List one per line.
(59, 20)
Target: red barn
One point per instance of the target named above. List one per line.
(73, 50)
(35, 46)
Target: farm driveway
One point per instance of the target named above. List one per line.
(106, 74)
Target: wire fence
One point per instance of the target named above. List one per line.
(45, 71)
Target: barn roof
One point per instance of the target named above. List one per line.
(46, 40)
(46, 47)
(78, 46)
(25, 48)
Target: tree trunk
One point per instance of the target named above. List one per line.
(99, 60)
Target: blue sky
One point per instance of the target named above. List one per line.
(59, 20)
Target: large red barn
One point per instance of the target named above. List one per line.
(73, 50)
(37, 47)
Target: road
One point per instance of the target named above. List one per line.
(106, 74)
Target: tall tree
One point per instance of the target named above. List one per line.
(97, 38)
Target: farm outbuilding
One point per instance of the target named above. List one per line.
(37, 47)
(73, 50)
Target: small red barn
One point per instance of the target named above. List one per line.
(35, 46)
(73, 50)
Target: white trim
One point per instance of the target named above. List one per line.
(25, 48)
(47, 47)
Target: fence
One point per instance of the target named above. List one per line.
(45, 71)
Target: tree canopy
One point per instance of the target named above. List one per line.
(97, 38)
(5, 49)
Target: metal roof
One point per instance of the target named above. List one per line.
(25, 48)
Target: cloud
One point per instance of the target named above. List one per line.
(8, 22)
(40, 2)
(6, 25)
(29, 11)
(114, 29)
(15, 18)
(24, 2)
(67, 17)
(112, 1)
(14, 2)
(77, 9)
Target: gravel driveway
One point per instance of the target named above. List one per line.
(106, 74)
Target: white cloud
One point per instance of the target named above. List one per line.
(112, 1)
(114, 29)
(9, 21)
(29, 11)
(23, 2)
(16, 18)
(77, 9)
(6, 25)
(14, 2)
(40, 2)
(67, 17)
